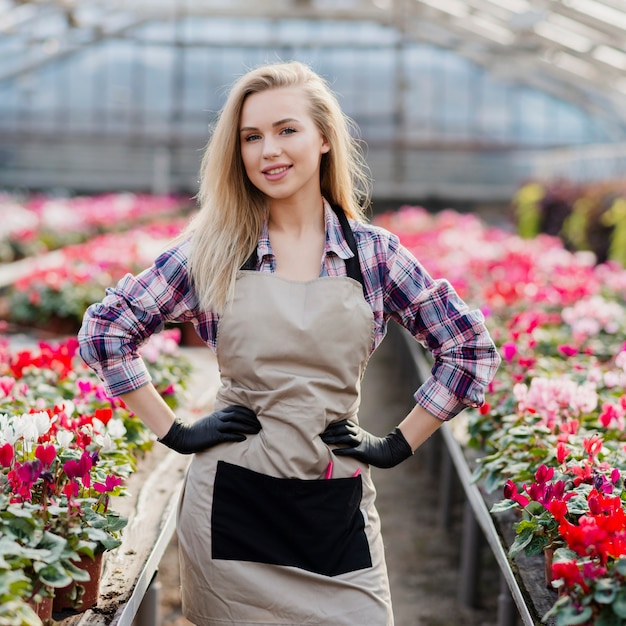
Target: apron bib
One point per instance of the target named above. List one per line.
(265, 536)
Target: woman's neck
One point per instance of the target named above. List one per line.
(297, 219)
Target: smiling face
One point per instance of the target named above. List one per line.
(281, 147)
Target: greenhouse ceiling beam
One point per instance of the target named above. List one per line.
(67, 48)
(583, 79)
(488, 32)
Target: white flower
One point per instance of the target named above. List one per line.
(105, 442)
(65, 438)
(7, 429)
(116, 428)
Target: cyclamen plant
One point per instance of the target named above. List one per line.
(66, 449)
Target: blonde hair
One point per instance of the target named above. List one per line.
(232, 211)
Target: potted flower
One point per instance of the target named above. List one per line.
(590, 571)
(57, 484)
(36, 560)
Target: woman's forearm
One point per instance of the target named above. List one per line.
(150, 408)
(418, 426)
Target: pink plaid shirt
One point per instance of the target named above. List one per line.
(396, 287)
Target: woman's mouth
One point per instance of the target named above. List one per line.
(276, 173)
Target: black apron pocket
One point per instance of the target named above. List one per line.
(315, 525)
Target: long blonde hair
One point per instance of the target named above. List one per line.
(232, 211)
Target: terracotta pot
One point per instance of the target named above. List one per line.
(548, 555)
(65, 598)
(43, 608)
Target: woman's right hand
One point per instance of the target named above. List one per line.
(229, 424)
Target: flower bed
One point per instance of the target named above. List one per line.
(66, 450)
(37, 224)
(58, 289)
(551, 436)
(585, 216)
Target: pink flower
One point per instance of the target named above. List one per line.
(593, 445)
(562, 452)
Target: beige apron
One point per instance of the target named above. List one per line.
(265, 537)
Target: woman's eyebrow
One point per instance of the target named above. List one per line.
(274, 124)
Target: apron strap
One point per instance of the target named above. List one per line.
(353, 267)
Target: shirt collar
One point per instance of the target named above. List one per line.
(335, 240)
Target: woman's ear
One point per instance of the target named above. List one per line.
(325, 146)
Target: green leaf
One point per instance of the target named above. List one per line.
(605, 591)
(503, 505)
(619, 605)
(54, 544)
(77, 573)
(571, 617)
(620, 566)
(53, 575)
(607, 618)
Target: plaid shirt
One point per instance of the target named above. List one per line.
(396, 287)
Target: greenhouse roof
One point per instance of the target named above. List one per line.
(573, 49)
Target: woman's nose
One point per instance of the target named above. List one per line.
(271, 149)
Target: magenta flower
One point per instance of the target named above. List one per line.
(110, 483)
(511, 493)
(80, 469)
(29, 472)
(567, 350)
(509, 350)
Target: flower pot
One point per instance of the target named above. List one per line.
(70, 597)
(43, 608)
(548, 555)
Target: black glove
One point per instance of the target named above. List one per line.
(229, 424)
(377, 451)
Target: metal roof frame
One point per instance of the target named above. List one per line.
(573, 49)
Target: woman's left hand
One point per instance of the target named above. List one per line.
(382, 452)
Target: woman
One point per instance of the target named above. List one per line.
(293, 290)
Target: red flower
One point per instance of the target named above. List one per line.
(562, 452)
(46, 454)
(558, 508)
(569, 573)
(6, 455)
(104, 415)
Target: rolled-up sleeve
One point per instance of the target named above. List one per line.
(137, 307)
(465, 357)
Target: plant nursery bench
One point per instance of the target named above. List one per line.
(523, 595)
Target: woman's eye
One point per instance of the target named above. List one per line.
(287, 131)
(249, 138)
